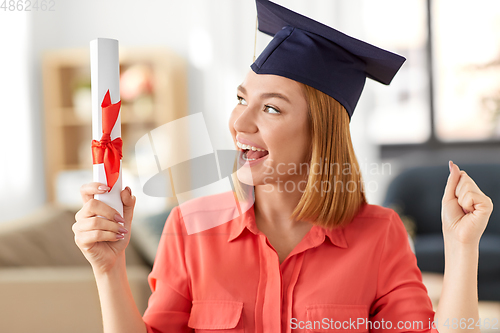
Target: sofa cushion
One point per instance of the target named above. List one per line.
(45, 238)
(43, 299)
(146, 234)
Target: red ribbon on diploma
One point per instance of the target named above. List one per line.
(107, 151)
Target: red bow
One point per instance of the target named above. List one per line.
(107, 151)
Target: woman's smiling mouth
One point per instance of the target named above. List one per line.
(250, 153)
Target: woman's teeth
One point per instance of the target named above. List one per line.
(256, 153)
(244, 146)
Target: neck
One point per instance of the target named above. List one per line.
(273, 207)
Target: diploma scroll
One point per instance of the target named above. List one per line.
(106, 119)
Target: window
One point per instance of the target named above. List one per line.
(400, 114)
(466, 53)
(16, 166)
(448, 90)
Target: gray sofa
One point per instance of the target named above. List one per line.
(416, 195)
(47, 285)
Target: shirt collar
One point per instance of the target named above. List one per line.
(318, 234)
(246, 220)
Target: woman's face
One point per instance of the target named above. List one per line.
(271, 114)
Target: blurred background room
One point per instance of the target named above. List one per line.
(179, 58)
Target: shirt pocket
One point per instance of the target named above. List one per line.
(216, 316)
(336, 318)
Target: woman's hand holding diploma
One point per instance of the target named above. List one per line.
(98, 225)
(96, 228)
(465, 209)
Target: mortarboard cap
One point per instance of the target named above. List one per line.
(312, 53)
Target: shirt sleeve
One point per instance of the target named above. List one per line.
(402, 300)
(169, 305)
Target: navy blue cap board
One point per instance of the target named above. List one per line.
(315, 54)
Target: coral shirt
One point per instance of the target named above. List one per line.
(229, 279)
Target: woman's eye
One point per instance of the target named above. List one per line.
(273, 110)
(241, 100)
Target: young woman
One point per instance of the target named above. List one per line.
(309, 254)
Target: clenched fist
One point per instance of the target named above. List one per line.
(465, 209)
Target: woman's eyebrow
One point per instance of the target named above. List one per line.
(266, 95)
(240, 87)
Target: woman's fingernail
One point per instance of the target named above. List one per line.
(122, 230)
(118, 218)
(103, 188)
(450, 164)
(129, 190)
(120, 236)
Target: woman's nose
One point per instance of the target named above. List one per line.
(245, 121)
